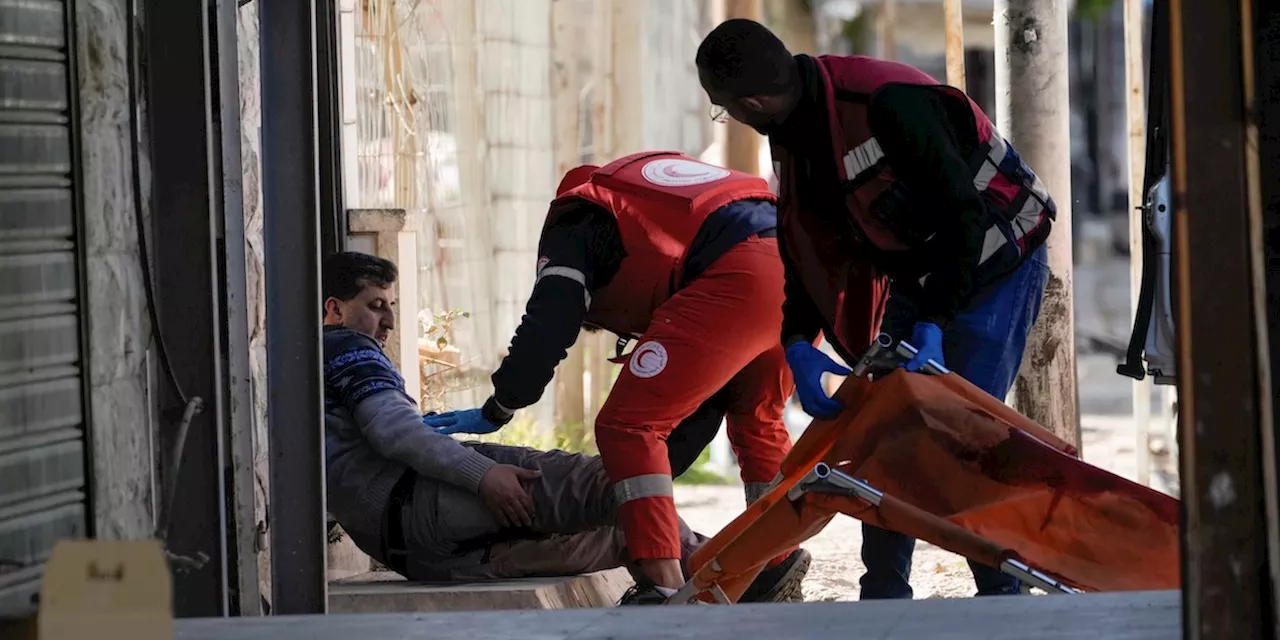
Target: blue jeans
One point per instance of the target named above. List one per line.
(984, 344)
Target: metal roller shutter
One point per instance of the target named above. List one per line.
(43, 479)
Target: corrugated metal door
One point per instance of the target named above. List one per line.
(43, 479)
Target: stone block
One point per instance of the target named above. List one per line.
(495, 20)
(345, 559)
(524, 174)
(518, 225)
(379, 221)
(381, 592)
(502, 121)
(538, 124)
(513, 67)
(532, 21)
(499, 63)
(520, 121)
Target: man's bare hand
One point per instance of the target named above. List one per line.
(502, 489)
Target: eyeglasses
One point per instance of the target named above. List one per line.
(718, 113)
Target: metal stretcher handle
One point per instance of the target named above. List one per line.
(884, 356)
(918, 523)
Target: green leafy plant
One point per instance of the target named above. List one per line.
(1092, 9)
(443, 373)
(441, 325)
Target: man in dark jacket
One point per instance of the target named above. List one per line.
(891, 185)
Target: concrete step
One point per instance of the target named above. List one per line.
(1107, 616)
(386, 592)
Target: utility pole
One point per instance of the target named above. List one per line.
(886, 25)
(1032, 106)
(1137, 109)
(793, 21)
(953, 21)
(565, 89)
(742, 147)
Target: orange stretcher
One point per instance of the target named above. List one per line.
(936, 458)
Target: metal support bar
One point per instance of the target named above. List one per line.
(185, 149)
(823, 479)
(333, 213)
(1036, 578)
(1265, 104)
(237, 392)
(884, 355)
(292, 250)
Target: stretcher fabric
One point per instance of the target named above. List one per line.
(967, 473)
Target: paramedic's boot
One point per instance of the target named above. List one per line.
(645, 592)
(780, 583)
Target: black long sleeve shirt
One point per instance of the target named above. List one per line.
(926, 136)
(580, 251)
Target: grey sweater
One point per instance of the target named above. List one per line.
(374, 432)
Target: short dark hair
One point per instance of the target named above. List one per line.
(345, 274)
(745, 58)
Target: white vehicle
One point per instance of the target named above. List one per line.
(1153, 344)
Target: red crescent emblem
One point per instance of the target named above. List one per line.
(640, 361)
(675, 172)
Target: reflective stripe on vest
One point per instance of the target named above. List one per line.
(868, 159)
(863, 158)
(1032, 200)
(653, 485)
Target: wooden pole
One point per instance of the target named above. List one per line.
(570, 404)
(1224, 159)
(794, 23)
(604, 147)
(477, 249)
(886, 25)
(953, 21)
(1135, 76)
(1033, 105)
(742, 148)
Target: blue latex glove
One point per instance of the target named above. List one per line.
(807, 365)
(468, 421)
(926, 337)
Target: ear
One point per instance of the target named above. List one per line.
(332, 310)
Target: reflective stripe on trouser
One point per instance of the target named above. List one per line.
(695, 344)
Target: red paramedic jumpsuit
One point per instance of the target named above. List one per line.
(719, 330)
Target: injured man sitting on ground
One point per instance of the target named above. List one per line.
(431, 507)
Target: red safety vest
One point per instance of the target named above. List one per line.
(660, 200)
(848, 289)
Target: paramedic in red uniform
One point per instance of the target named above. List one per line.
(680, 256)
(898, 202)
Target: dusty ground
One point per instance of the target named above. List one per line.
(1109, 441)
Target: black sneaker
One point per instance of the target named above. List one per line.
(780, 583)
(642, 592)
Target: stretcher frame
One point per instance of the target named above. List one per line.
(884, 355)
